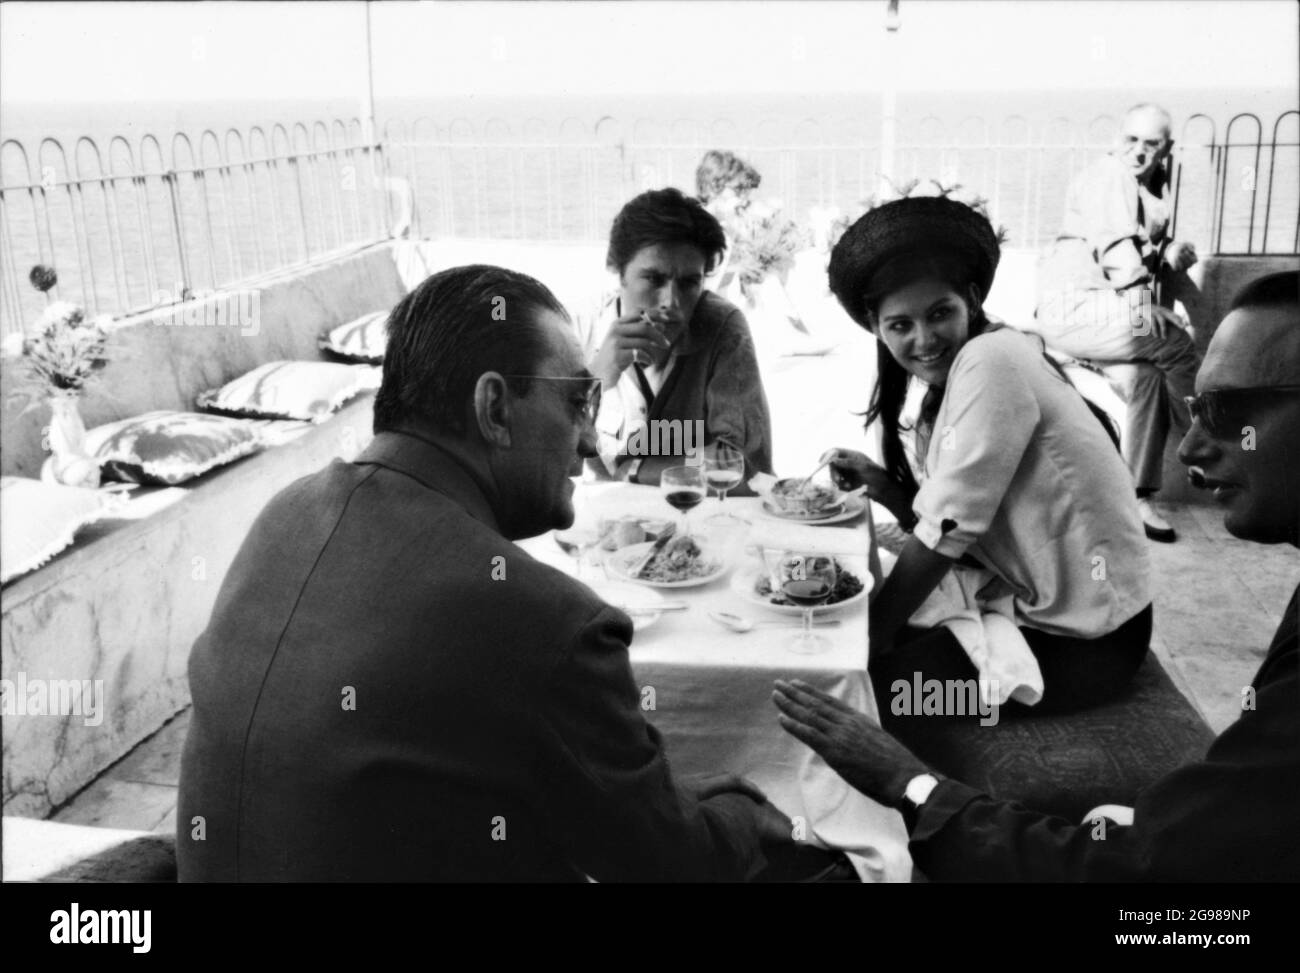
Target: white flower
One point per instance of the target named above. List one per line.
(57, 313)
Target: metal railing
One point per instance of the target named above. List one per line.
(142, 230)
(1240, 195)
(527, 184)
(1232, 196)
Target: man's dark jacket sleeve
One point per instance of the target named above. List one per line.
(1234, 816)
(614, 804)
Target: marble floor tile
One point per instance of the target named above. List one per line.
(168, 823)
(1210, 519)
(109, 803)
(158, 759)
(1217, 677)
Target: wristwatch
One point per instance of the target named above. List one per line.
(915, 795)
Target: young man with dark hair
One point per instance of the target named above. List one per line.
(391, 690)
(671, 354)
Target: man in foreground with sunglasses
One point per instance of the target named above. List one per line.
(1230, 817)
(391, 690)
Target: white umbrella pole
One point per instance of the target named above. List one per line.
(368, 97)
(889, 97)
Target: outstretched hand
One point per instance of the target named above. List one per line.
(862, 753)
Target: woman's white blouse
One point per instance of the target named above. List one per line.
(1020, 473)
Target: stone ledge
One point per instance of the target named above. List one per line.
(125, 604)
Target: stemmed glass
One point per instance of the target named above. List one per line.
(807, 580)
(724, 468)
(577, 542)
(683, 487)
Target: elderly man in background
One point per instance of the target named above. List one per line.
(1105, 289)
(389, 689)
(1229, 817)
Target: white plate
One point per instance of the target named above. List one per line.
(830, 510)
(641, 604)
(619, 563)
(853, 505)
(745, 584)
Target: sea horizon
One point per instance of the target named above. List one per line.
(31, 121)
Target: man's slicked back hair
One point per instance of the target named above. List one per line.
(664, 216)
(455, 326)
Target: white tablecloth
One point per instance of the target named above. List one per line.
(712, 689)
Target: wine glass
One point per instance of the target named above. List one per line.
(724, 468)
(577, 542)
(684, 489)
(807, 580)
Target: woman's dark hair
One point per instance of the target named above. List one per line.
(891, 382)
(720, 169)
(455, 326)
(663, 216)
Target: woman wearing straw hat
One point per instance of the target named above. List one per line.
(1003, 465)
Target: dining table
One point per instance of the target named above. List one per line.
(708, 689)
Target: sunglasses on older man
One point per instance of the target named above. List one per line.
(587, 394)
(1224, 411)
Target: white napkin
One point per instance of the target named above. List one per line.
(762, 484)
(987, 630)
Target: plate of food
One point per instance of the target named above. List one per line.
(852, 585)
(643, 605)
(804, 501)
(799, 497)
(620, 532)
(844, 507)
(671, 562)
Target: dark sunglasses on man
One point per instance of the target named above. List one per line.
(1223, 412)
(588, 392)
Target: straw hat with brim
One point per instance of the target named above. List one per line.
(918, 224)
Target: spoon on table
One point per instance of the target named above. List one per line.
(738, 623)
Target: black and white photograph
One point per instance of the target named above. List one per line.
(732, 441)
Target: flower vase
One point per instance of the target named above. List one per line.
(69, 463)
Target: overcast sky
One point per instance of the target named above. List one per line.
(167, 51)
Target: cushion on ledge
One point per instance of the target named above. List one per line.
(1068, 764)
(51, 851)
(168, 447)
(309, 391)
(362, 340)
(41, 519)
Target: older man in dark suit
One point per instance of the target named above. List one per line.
(390, 689)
